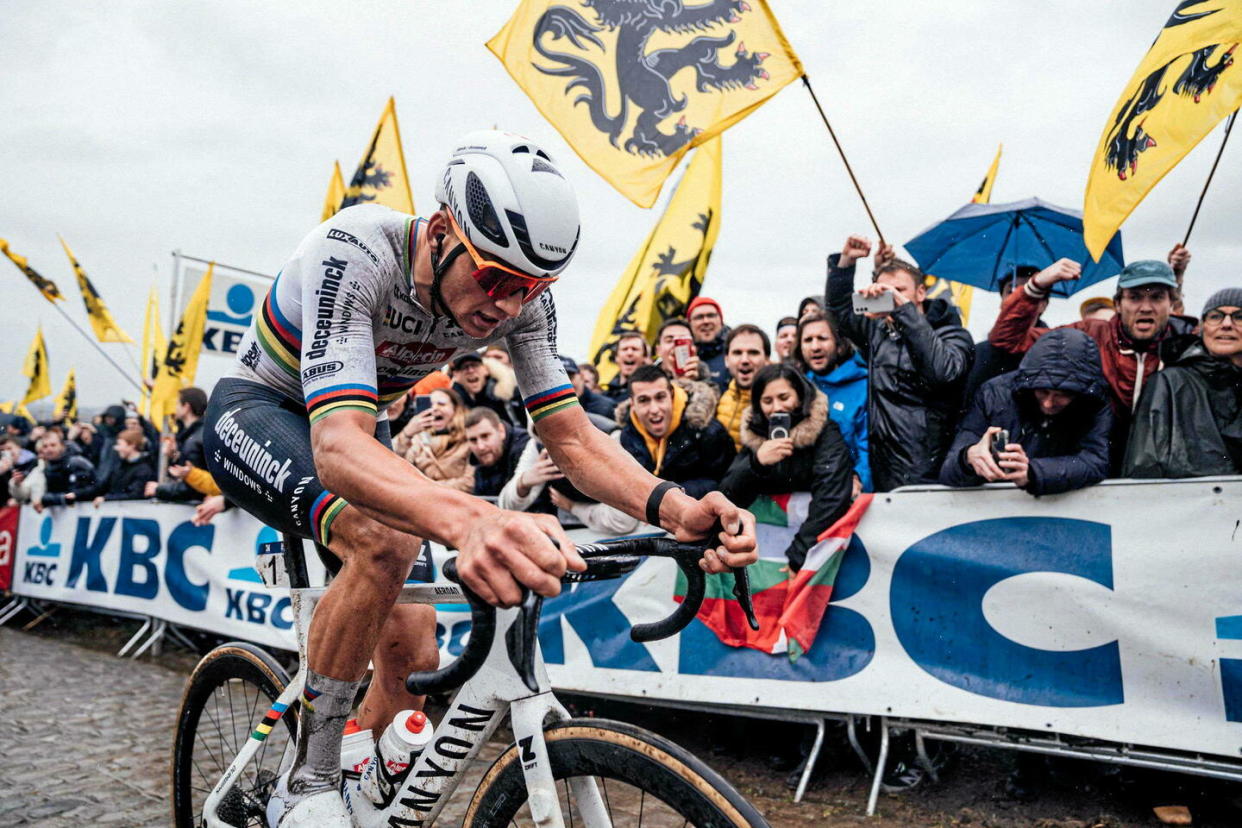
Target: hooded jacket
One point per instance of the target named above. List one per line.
(916, 367)
(846, 389)
(696, 450)
(820, 464)
(1127, 364)
(489, 480)
(1067, 451)
(1189, 420)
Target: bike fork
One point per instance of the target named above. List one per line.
(528, 717)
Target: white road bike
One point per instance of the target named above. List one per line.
(592, 772)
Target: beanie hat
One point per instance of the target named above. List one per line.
(699, 301)
(1225, 297)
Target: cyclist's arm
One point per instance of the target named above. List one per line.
(354, 465)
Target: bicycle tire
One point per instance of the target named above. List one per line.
(246, 674)
(625, 753)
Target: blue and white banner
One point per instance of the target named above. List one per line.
(1112, 613)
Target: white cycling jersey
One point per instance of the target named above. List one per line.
(341, 328)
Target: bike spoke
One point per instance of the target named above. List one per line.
(642, 799)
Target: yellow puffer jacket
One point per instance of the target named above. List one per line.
(729, 411)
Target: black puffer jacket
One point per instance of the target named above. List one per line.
(71, 474)
(1189, 419)
(820, 464)
(1067, 451)
(698, 451)
(916, 369)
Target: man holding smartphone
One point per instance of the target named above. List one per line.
(918, 355)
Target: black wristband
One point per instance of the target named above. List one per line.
(655, 498)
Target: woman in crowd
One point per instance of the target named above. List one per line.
(436, 441)
(832, 365)
(128, 479)
(813, 458)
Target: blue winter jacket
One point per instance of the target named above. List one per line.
(846, 389)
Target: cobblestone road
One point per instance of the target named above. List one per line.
(86, 737)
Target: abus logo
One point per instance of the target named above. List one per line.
(321, 370)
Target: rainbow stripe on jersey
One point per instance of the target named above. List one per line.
(551, 401)
(279, 338)
(355, 395)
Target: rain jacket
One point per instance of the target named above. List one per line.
(695, 452)
(1067, 451)
(128, 480)
(846, 389)
(712, 357)
(71, 473)
(1189, 420)
(1127, 364)
(820, 464)
(916, 368)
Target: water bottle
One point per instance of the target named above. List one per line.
(402, 742)
(356, 749)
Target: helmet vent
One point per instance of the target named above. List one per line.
(540, 165)
(521, 148)
(482, 213)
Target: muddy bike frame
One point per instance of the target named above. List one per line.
(507, 677)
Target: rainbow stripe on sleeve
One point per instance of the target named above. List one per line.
(355, 395)
(551, 401)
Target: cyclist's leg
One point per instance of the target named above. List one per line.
(357, 614)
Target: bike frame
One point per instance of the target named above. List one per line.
(477, 710)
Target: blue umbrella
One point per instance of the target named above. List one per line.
(980, 243)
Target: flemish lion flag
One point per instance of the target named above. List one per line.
(381, 177)
(46, 286)
(669, 267)
(35, 368)
(336, 192)
(1185, 84)
(790, 608)
(634, 86)
(105, 327)
(66, 403)
(180, 362)
(154, 344)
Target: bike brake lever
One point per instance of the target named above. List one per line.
(741, 591)
(521, 637)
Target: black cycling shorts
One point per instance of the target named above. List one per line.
(258, 448)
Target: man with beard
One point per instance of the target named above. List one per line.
(709, 330)
(495, 447)
(1134, 344)
(746, 351)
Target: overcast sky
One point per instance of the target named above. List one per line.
(138, 128)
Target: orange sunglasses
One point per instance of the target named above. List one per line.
(500, 281)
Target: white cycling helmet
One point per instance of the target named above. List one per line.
(511, 201)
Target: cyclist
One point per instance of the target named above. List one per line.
(371, 302)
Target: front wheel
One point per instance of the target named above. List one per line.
(226, 698)
(643, 779)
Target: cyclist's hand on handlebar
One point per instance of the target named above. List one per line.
(737, 541)
(508, 550)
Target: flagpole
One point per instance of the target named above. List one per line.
(806, 81)
(1208, 183)
(102, 352)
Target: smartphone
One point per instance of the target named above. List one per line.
(422, 402)
(999, 440)
(874, 304)
(683, 349)
(778, 426)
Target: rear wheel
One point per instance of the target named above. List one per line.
(644, 780)
(226, 698)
